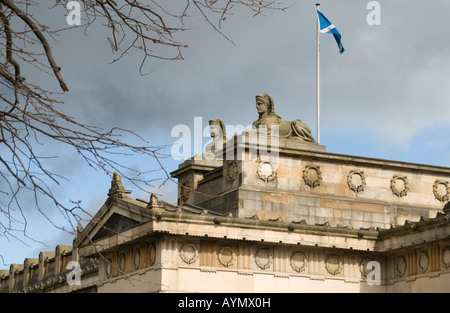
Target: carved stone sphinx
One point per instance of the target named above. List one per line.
(267, 117)
(218, 133)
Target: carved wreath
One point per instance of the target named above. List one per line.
(352, 186)
(122, 264)
(189, 253)
(400, 267)
(151, 254)
(446, 257)
(298, 261)
(312, 183)
(267, 171)
(333, 264)
(136, 259)
(397, 191)
(438, 195)
(263, 259)
(108, 268)
(226, 256)
(231, 171)
(423, 261)
(363, 267)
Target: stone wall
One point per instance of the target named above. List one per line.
(315, 186)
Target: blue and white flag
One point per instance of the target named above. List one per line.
(326, 27)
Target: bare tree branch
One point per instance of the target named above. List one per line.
(30, 114)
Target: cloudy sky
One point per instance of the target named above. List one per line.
(386, 97)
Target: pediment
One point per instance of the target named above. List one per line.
(117, 214)
(114, 217)
(115, 224)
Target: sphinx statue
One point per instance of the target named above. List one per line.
(287, 130)
(218, 133)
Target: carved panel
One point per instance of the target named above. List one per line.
(312, 175)
(423, 261)
(151, 254)
(298, 261)
(399, 185)
(263, 258)
(185, 191)
(122, 263)
(363, 267)
(333, 264)
(189, 253)
(356, 180)
(231, 171)
(441, 190)
(400, 266)
(446, 257)
(136, 259)
(115, 224)
(267, 171)
(226, 256)
(108, 267)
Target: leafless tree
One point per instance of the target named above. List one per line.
(30, 113)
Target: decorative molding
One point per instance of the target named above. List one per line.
(267, 171)
(226, 256)
(185, 191)
(298, 261)
(108, 268)
(231, 171)
(446, 257)
(245, 273)
(208, 270)
(263, 259)
(356, 188)
(312, 182)
(400, 266)
(136, 259)
(437, 194)
(189, 253)
(117, 189)
(399, 192)
(333, 264)
(151, 254)
(363, 267)
(122, 263)
(423, 261)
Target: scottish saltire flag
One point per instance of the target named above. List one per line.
(326, 27)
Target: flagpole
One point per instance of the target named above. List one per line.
(317, 76)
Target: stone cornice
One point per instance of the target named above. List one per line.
(196, 222)
(317, 153)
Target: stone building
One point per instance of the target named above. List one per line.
(293, 219)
